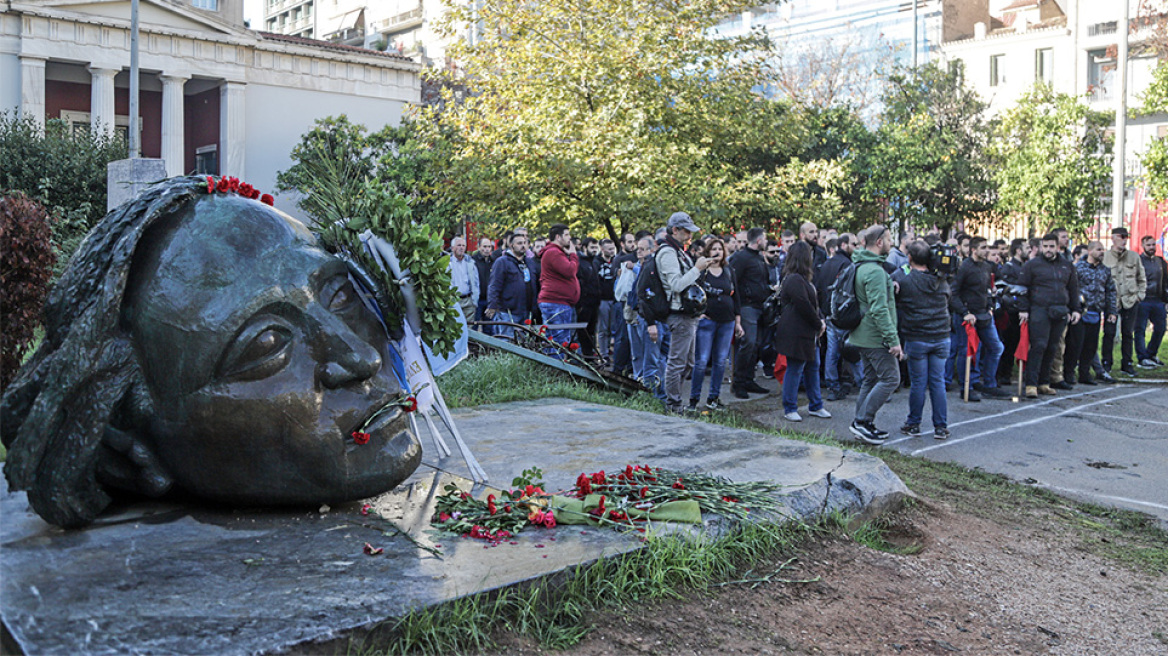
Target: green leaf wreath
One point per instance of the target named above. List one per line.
(386, 213)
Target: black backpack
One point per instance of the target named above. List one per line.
(652, 302)
(846, 312)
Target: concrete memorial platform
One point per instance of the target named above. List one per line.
(162, 578)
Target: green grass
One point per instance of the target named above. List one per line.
(556, 612)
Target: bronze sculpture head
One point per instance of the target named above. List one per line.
(205, 343)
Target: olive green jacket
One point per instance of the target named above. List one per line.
(1131, 281)
(874, 291)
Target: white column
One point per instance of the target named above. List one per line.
(32, 89)
(173, 136)
(102, 116)
(232, 126)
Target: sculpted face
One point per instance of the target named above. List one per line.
(261, 361)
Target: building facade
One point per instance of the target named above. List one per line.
(1069, 45)
(214, 97)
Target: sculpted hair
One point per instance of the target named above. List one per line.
(84, 378)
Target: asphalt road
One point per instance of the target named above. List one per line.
(1104, 444)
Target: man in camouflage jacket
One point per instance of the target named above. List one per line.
(1100, 303)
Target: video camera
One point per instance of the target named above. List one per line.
(943, 259)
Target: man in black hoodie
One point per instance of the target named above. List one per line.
(923, 304)
(750, 281)
(1050, 301)
(971, 301)
(588, 307)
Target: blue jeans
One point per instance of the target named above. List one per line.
(555, 313)
(1153, 311)
(646, 358)
(988, 354)
(511, 317)
(806, 371)
(835, 347)
(712, 348)
(926, 368)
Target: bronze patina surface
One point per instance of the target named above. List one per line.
(204, 344)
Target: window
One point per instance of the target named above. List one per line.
(79, 123)
(209, 5)
(207, 160)
(1044, 65)
(997, 70)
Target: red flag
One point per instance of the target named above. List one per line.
(971, 340)
(1023, 350)
(780, 368)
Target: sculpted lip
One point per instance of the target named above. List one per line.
(383, 416)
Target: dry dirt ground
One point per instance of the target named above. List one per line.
(976, 586)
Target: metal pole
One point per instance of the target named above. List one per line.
(916, 31)
(1117, 216)
(135, 142)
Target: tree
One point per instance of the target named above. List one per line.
(928, 160)
(1155, 158)
(612, 114)
(1050, 163)
(63, 170)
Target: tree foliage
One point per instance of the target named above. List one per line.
(1051, 167)
(61, 169)
(26, 266)
(612, 114)
(1155, 158)
(928, 157)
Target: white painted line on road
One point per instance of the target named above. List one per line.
(1026, 423)
(1028, 406)
(1142, 421)
(1096, 495)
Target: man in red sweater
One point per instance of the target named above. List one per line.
(559, 289)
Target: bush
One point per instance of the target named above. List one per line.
(63, 170)
(26, 266)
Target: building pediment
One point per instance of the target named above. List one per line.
(160, 13)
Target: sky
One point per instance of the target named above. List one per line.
(253, 10)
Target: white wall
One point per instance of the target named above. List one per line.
(277, 117)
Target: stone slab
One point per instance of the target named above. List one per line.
(158, 578)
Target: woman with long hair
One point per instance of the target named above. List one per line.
(719, 323)
(797, 334)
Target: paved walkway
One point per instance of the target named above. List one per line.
(1105, 444)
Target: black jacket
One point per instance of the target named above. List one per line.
(826, 276)
(971, 288)
(923, 303)
(1157, 270)
(589, 279)
(750, 277)
(799, 324)
(483, 264)
(1048, 284)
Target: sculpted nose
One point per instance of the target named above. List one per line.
(345, 358)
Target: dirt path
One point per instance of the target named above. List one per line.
(975, 587)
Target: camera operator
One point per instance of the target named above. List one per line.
(923, 304)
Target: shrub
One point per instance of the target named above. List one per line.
(26, 266)
(63, 170)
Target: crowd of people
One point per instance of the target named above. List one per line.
(939, 315)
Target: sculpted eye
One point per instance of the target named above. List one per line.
(257, 352)
(339, 295)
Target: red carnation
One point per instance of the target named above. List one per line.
(491, 508)
(245, 190)
(443, 517)
(210, 185)
(574, 346)
(527, 322)
(678, 485)
(360, 438)
(223, 186)
(267, 199)
(255, 193)
(411, 403)
(549, 519)
(233, 184)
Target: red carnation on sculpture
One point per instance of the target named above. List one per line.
(360, 438)
(267, 199)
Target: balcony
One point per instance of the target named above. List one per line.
(399, 23)
(1100, 29)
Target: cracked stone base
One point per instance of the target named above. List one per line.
(156, 578)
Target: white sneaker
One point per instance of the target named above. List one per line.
(822, 413)
(792, 416)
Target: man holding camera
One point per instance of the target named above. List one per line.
(1050, 301)
(971, 300)
(923, 304)
(678, 273)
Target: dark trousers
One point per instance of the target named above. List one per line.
(746, 355)
(1082, 345)
(1044, 340)
(1127, 326)
(588, 314)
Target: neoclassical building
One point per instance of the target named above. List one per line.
(215, 97)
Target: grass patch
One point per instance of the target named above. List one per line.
(556, 611)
